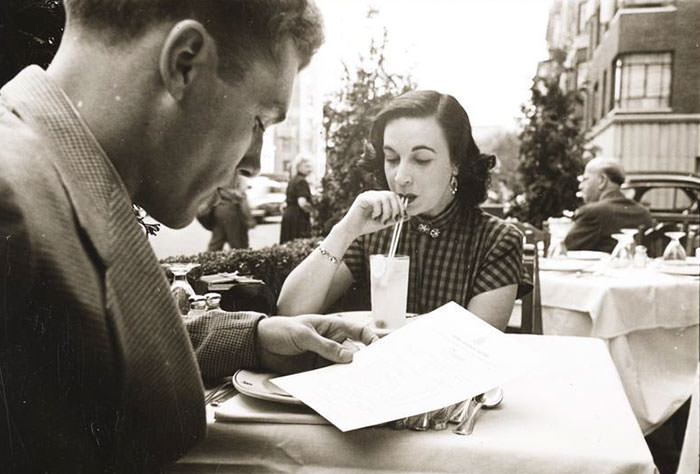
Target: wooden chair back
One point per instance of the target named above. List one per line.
(531, 304)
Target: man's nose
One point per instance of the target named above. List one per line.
(250, 163)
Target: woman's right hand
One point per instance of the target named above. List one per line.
(372, 211)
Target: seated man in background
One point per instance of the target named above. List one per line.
(606, 209)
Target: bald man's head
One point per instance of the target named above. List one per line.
(601, 175)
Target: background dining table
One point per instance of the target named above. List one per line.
(649, 322)
(569, 414)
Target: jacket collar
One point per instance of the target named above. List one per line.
(90, 180)
(611, 194)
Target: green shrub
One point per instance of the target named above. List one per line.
(270, 264)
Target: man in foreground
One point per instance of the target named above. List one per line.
(606, 209)
(152, 102)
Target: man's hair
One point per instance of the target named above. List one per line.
(611, 168)
(244, 30)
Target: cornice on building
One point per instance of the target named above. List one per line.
(618, 116)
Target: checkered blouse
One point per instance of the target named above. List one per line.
(454, 256)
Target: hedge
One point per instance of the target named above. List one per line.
(270, 264)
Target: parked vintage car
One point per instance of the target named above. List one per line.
(265, 197)
(671, 197)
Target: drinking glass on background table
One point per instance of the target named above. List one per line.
(621, 256)
(180, 288)
(558, 228)
(674, 250)
(389, 290)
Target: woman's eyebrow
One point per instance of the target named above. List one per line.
(388, 148)
(423, 147)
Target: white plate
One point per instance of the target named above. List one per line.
(564, 265)
(586, 254)
(676, 269)
(258, 385)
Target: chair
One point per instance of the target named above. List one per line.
(531, 304)
(690, 458)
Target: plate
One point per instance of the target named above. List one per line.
(564, 265)
(258, 385)
(676, 269)
(586, 254)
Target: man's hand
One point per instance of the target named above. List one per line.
(290, 344)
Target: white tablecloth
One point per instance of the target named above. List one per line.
(649, 321)
(571, 416)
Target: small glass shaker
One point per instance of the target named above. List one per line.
(213, 301)
(640, 256)
(198, 306)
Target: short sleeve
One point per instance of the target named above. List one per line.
(503, 263)
(355, 260)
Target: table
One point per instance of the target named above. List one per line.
(649, 321)
(569, 416)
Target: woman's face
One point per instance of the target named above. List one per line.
(304, 168)
(417, 164)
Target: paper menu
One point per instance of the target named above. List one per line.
(441, 358)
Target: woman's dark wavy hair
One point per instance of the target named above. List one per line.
(473, 176)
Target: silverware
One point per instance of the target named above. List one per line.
(490, 399)
(460, 413)
(216, 392)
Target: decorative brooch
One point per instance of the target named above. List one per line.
(426, 229)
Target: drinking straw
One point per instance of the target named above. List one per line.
(396, 234)
(392, 246)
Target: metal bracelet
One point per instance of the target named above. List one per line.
(334, 260)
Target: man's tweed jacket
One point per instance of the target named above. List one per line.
(97, 372)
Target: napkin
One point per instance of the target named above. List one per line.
(242, 408)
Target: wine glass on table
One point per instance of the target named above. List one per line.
(180, 288)
(674, 251)
(621, 256)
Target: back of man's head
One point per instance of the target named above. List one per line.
(244, 30)
(611, 168)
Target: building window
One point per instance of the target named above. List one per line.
(594, 104)
(604, 95)
(643, 81)
(581, 24)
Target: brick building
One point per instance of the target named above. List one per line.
(637, 63)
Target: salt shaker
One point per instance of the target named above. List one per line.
(640, 256)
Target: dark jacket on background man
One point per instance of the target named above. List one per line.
(595, 222)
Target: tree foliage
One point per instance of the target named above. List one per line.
(347, 119)
(30, 31)
(552, 151)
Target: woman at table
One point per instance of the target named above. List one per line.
(423, 151)
(296, 220)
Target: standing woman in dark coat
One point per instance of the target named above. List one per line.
(296, 221)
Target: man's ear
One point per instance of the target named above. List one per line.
(187, 52)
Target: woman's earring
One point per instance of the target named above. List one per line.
(453, 184)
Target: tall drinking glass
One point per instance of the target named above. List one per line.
(558, 228)
(389, 287)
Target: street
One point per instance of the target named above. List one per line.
(193, 239)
